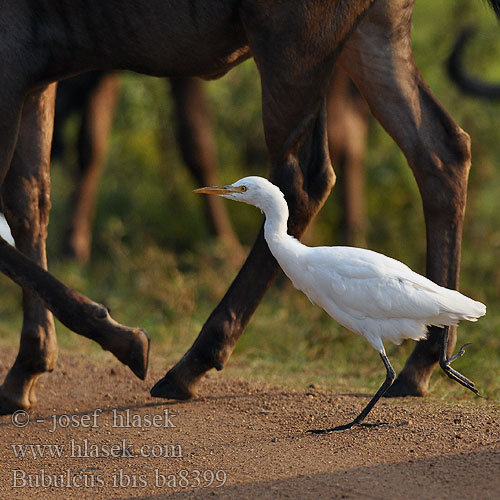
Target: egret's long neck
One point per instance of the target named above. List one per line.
(276, 212)
(283, 246)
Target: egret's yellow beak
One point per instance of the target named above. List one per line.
(216, 190)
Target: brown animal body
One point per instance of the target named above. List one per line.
(295, 45)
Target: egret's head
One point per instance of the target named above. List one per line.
(253, 190)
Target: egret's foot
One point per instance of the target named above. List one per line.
(454, 374)
(389, 379)
(321, 431)
(180, 382)
(460, 353)
(345, 427)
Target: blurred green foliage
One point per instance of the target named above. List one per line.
(156, 266)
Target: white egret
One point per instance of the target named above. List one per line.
(372, 295)
(5, 230)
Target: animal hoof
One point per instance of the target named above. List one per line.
(138, 357)
(402, 388)
(172, 386)
(9, 404)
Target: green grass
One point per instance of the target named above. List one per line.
(288, 342)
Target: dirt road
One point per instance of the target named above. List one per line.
(241, 440)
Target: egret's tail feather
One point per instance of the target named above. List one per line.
(457, 307)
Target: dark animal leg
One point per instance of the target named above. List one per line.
(445, 363)
(223, 328)
(26, 199)
(295, 130)
(97, 109)
(94, 96)
(25, 194)
(437, 150)
(389, 379)
(197, 146)
(77, 312)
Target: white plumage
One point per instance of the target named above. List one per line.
(5, 230)
(373, 295)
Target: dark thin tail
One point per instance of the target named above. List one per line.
(469, 84)
(496, 7)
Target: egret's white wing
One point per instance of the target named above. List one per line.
(5, 230)
(368, 284)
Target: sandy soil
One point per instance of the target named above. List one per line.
(248, 436)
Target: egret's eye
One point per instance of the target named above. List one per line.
(243, 189)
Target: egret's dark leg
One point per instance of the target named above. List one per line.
(389, 379)
(445, 363)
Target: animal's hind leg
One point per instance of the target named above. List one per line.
(97, 116)
(193, 130)
(306, 191)
(348, 119)
(379, 59)
(77, 312)
(25, 194)
(293, 90)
